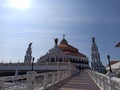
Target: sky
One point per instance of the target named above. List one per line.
(45, 20)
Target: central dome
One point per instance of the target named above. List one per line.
(68, 49)
(64, 42)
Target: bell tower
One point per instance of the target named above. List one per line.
(28, 56)
(96, 64)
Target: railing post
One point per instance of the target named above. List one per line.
(45, 81)
(62, 75)
(108, 80)
(66, 74)
(96, 76)
(30, 80)
(53, 78)
(58, 71)
(102, 83)
(1, 84)
(16, 72)
(58, 76)
(69, 68)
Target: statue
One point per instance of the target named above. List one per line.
(93, 39)
(30, 44)
(56, 41)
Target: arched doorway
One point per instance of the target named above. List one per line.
(79, 67)
(60, 60)
(52, 60)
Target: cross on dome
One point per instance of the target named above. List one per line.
(63, 35)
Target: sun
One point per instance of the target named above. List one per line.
(19, 4)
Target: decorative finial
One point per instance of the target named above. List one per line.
(93, 39)
(63, 35)
(56, 41)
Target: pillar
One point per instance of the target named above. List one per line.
(31, 80)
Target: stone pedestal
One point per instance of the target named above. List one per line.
(111, 74)
(31, 80)
(118, 73)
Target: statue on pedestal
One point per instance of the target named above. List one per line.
(56, 41)
(93, 39)
(30, 44)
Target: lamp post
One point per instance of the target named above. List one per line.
(32, 62)
(108, 57)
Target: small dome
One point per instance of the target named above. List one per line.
(64, 42)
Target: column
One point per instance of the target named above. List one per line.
(30, 80)
(45, 81)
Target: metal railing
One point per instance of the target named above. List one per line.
(104, 81)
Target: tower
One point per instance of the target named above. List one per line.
(28, 56)
(96, 64)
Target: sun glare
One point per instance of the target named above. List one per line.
(19, 4)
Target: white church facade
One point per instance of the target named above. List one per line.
(64, 52)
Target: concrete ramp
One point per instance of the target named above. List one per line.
(81, 81)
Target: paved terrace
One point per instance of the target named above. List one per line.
(81, 81)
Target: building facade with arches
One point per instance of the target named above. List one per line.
(64, 52)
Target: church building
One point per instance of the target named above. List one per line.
(64, 52)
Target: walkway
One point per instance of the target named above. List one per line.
(81, 81)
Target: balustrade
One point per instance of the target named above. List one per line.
(36, 81)
(32, 81)
(104, 81)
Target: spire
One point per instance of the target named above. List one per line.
(94, 45)
(96, 63)
(28, 56)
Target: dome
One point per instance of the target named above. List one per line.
(64, 41)
(68, 49)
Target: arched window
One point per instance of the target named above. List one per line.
(71, 60)
(86, 62)
(82, 61)
(79, 67)
(56, 59)
(52, 60)
(60, 60)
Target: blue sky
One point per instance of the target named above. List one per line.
(45, 20)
